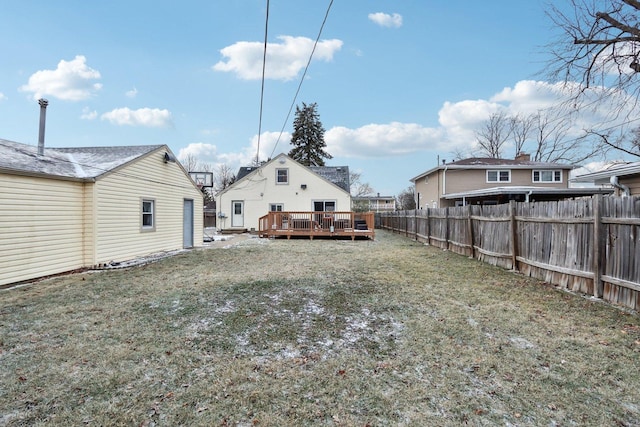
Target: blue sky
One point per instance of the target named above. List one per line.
(398, 84)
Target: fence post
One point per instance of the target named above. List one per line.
(470, 231)
(514, 235)
(446, 227)
(597, 249)
(415, 224)
(428, 228)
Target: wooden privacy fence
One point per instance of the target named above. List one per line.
(588, 245)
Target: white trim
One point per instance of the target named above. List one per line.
(151, 214)
(541, 171)
(278, 182)
(498, 173)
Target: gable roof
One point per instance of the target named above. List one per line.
(68, 163)
(602, 176)
(336, 175)
(492, 163)
(339, 175)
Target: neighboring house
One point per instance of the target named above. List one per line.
(376, 203)
(281, 184)
(70, 208)
(494, 181)
(624, 178)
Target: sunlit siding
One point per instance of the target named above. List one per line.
(119, 195)
(633, 182)
(41, 227)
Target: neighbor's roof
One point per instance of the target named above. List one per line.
(69, 163)
(616, 169)
(495, 191)
(491, 163)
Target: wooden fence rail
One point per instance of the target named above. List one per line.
(587, 245)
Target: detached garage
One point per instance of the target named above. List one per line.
(67, 208)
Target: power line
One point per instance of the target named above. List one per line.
(264, 63)
(306, 68)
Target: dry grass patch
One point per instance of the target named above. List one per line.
(322, 332)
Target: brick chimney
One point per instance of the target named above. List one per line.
(523, 157)
(43, 118)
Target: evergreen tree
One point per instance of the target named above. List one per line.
(308, 137)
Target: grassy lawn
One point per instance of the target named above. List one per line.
(322, 332)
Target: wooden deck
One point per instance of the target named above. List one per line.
(318, 224)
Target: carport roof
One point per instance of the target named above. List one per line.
(496, 191)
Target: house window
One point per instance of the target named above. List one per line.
(324, 205)
(276, 207)
(148, 215)
(282, 176)
(498, 176)
(547, 176)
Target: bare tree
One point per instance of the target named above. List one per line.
(598, 59)
(190, 163)
(493, 135)
(520, 129)
(223, 177)
(406, 199)
(601, 43)
(625, 143)
(357, 187)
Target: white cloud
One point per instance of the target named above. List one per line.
(284, 61)
(3, 96)
(455, 131)
(71, 81)
(377, 140)
(131, 93)
(149, 117)
(386, 20)
(206, 153)
(87, 114)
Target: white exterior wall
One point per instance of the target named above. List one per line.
(42, 227)
(119, 194)
(259, 190)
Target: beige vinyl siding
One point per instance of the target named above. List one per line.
(428, 189)
(633, 182)
(458, 181)
(119, 195)
(41, 227)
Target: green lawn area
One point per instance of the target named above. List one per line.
(323, 332)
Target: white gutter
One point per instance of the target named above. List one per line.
(614, 181)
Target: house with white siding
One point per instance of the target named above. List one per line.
(281, 184)
(63, 209)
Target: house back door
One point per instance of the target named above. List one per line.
(237, 213)
(187, 224)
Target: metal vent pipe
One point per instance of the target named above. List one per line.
(43, 119)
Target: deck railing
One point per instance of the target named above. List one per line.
(318, 223)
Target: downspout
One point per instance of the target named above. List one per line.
(444, 182)
(526, 196)
(625, 190)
